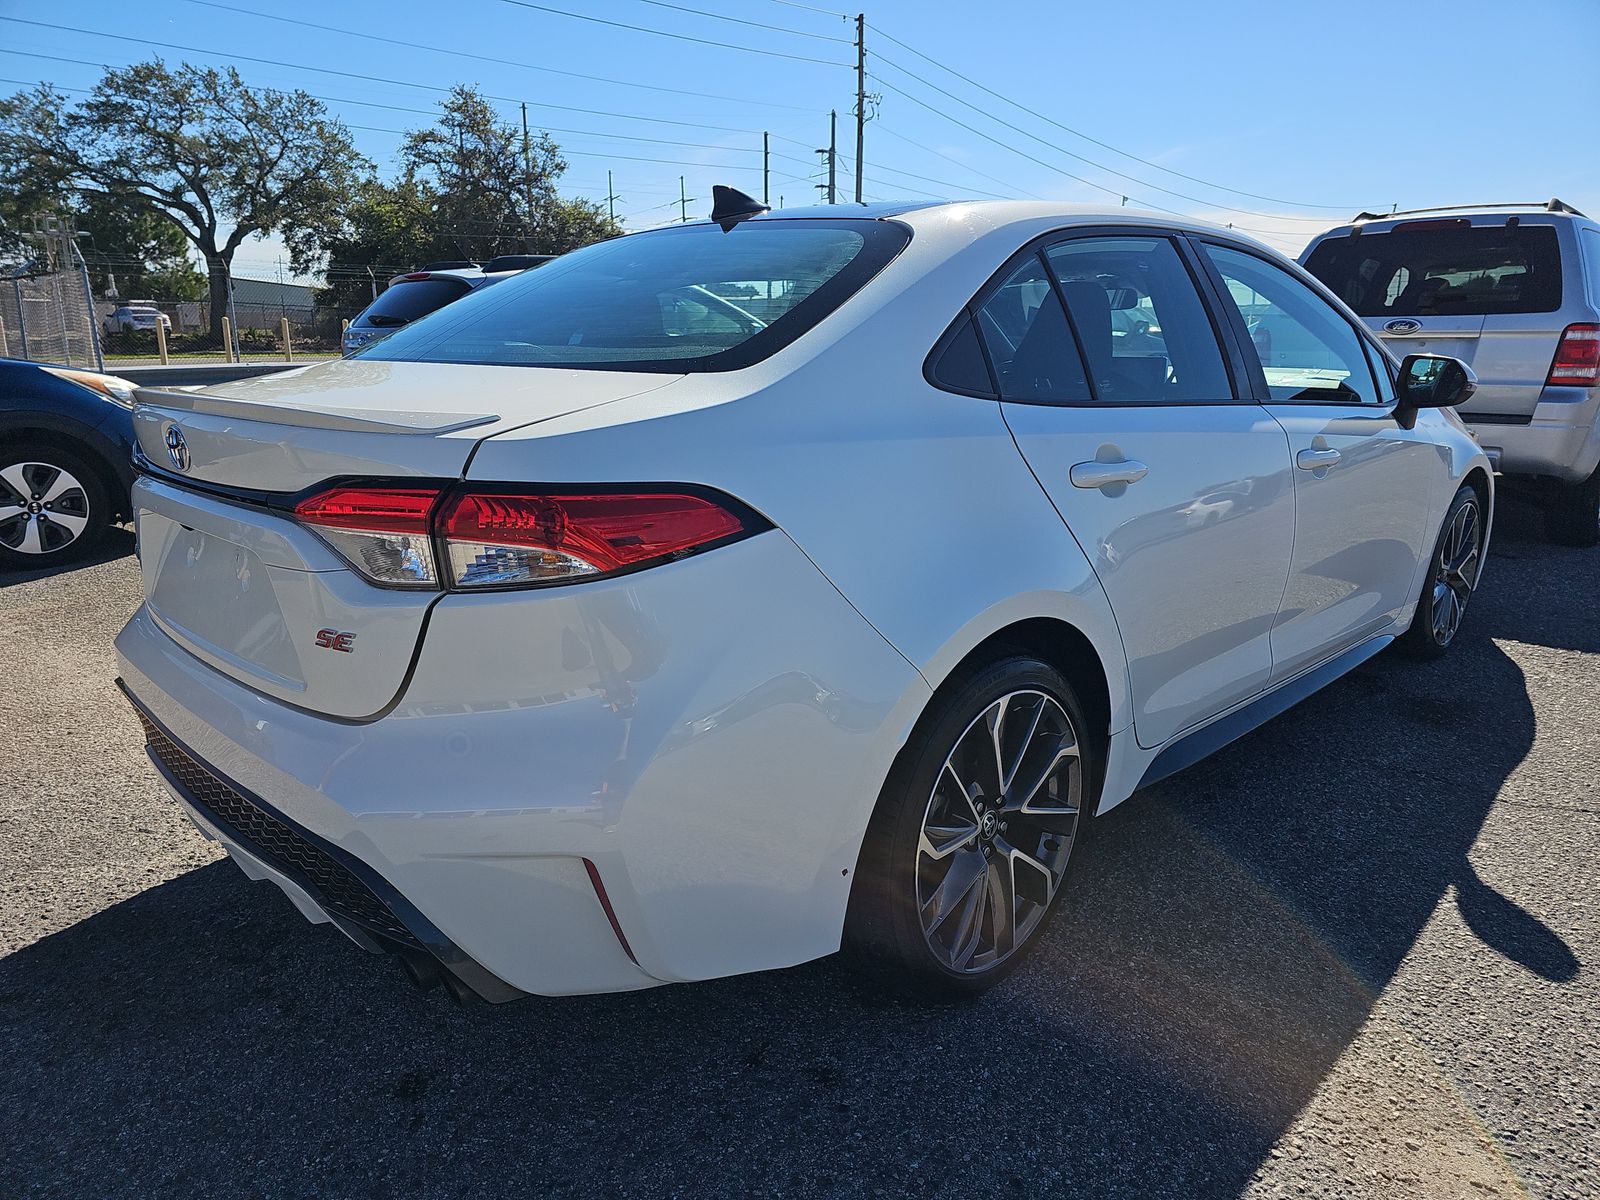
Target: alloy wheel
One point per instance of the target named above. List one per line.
(1460, 556)
(43, 508)
(997, 831)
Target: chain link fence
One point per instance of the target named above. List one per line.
(47, 318)
(52, 318)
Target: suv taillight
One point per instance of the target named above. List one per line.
(1577, 361)
(479, 538)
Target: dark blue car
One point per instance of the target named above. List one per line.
(66, 445)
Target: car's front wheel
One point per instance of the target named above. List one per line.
(1452, 576)
(53, 506)
(968, 847)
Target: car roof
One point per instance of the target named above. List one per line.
(993, 214)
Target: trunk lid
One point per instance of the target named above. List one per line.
(238, 582)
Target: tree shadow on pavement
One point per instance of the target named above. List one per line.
(1222, 942)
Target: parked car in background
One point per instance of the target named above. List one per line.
(418, 293)
(1514, 290)
(753, 586)
(66, 446)
(136, 317)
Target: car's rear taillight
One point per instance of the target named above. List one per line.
(1577, 361)
(383, 532)
(506, 538)
(495, 539)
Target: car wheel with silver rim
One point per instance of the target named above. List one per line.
(968, 847)
(1452, 576)
(53, 506)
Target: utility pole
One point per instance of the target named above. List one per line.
(861, 98)
(830, 155)
(611, 199)
(766, 166)
(527, 173)
(683, 203)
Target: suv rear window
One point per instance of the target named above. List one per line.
(1455, 270)
(691, 298)
(409, 299)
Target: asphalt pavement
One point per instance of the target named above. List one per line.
(1357, 954)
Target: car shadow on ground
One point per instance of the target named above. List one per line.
(1223, 940)
(117, 542)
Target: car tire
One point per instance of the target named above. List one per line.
(1453, 572)
(942, 861)
(63, 487)
(1573, 515)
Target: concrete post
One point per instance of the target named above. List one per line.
(161, 342)
(283, 336)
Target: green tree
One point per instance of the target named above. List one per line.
(143, 254)
(470, 187)
(218, 160)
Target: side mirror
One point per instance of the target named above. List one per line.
(1435, 381)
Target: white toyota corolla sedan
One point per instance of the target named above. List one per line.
(723, 594)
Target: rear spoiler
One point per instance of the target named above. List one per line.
(312, 416)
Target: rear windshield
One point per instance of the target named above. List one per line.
(406, 301)
(1453, 270)
(693, 298)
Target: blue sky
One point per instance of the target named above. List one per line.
(1310, 111)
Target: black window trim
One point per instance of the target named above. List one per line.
(1258, 378)
(1234, 362)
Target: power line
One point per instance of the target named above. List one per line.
(593, 112)
(1091, 162)
(1011, 187)
(813, 8)
(488, 58)
(1086, 137)
(700, 12)
(680, 37)
(1079, 178)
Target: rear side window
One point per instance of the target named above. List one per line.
(960, 367)
(1025, 328)
(691, 298)
(1140, 321)
(406, 301)
(1443, 268)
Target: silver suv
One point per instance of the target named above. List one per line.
(418, 293)
(1514, 290)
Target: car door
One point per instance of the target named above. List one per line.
(1177, 492)
(1361, 481)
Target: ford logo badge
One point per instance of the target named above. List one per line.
(1403, 325)
(177, 448)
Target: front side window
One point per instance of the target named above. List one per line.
(1141, 323)
(692, 298)
(1308, 351)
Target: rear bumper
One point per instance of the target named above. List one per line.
(1560, 440)
(710, 735)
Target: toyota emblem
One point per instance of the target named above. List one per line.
(177, 448)
(1403, 326)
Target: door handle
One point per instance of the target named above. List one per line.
(1107, 474)
(1316, 460)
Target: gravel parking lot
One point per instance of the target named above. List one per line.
(1353, 955)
